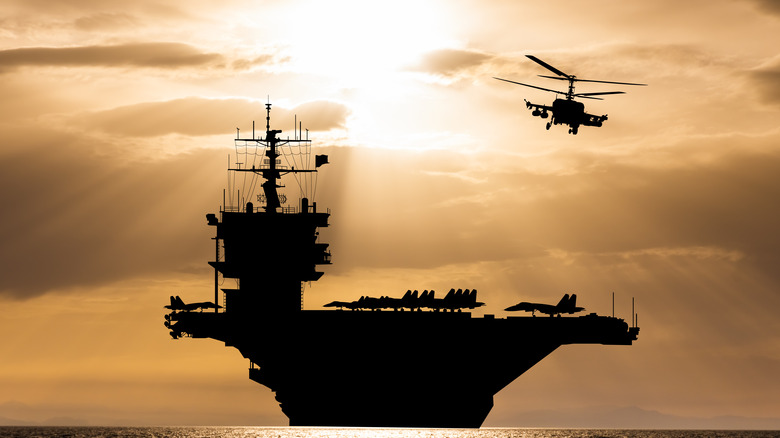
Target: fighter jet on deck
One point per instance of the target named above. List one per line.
(455, 300)
(178, 304)
(567, 304)
(352, 305)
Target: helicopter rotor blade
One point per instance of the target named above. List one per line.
(610, 82)
(598, 93)
(558, 77)
(587, 97)
(532, 86)
(547, 66)
(589, 80)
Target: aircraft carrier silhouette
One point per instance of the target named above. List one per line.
(415, 361)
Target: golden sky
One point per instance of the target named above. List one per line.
(116, 120)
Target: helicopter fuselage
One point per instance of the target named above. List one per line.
(566, 112)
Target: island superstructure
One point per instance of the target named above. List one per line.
(415, 361)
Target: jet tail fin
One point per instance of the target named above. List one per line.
(427, 298)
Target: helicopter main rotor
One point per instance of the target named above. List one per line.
(572, 79)
(568, 95)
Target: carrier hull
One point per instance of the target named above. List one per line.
(395, 368)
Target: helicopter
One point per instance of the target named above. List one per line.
(567, 111)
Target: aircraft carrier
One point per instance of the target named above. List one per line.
(415, 361)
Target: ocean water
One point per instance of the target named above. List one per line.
(315, 432)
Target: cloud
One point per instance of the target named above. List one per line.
(771, 6)
(79, 22)
(166, 55)
(107, 21)
(766, 80)
(246, 64)
(449, 62)
(76, 218)
(79, 216)
(198, 116)
(155, 55)
(629, 62)
(721, 208)
(319, 115)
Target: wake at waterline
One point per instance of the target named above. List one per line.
(315, 432)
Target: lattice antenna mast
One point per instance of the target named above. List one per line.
(272, 173)
(267, 117)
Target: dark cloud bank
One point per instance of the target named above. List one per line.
(198, 116)
(160, 55)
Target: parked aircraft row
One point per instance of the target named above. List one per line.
(459, 299)
(567, 304)
(178, 304)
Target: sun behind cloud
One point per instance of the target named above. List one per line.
(359, 41)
